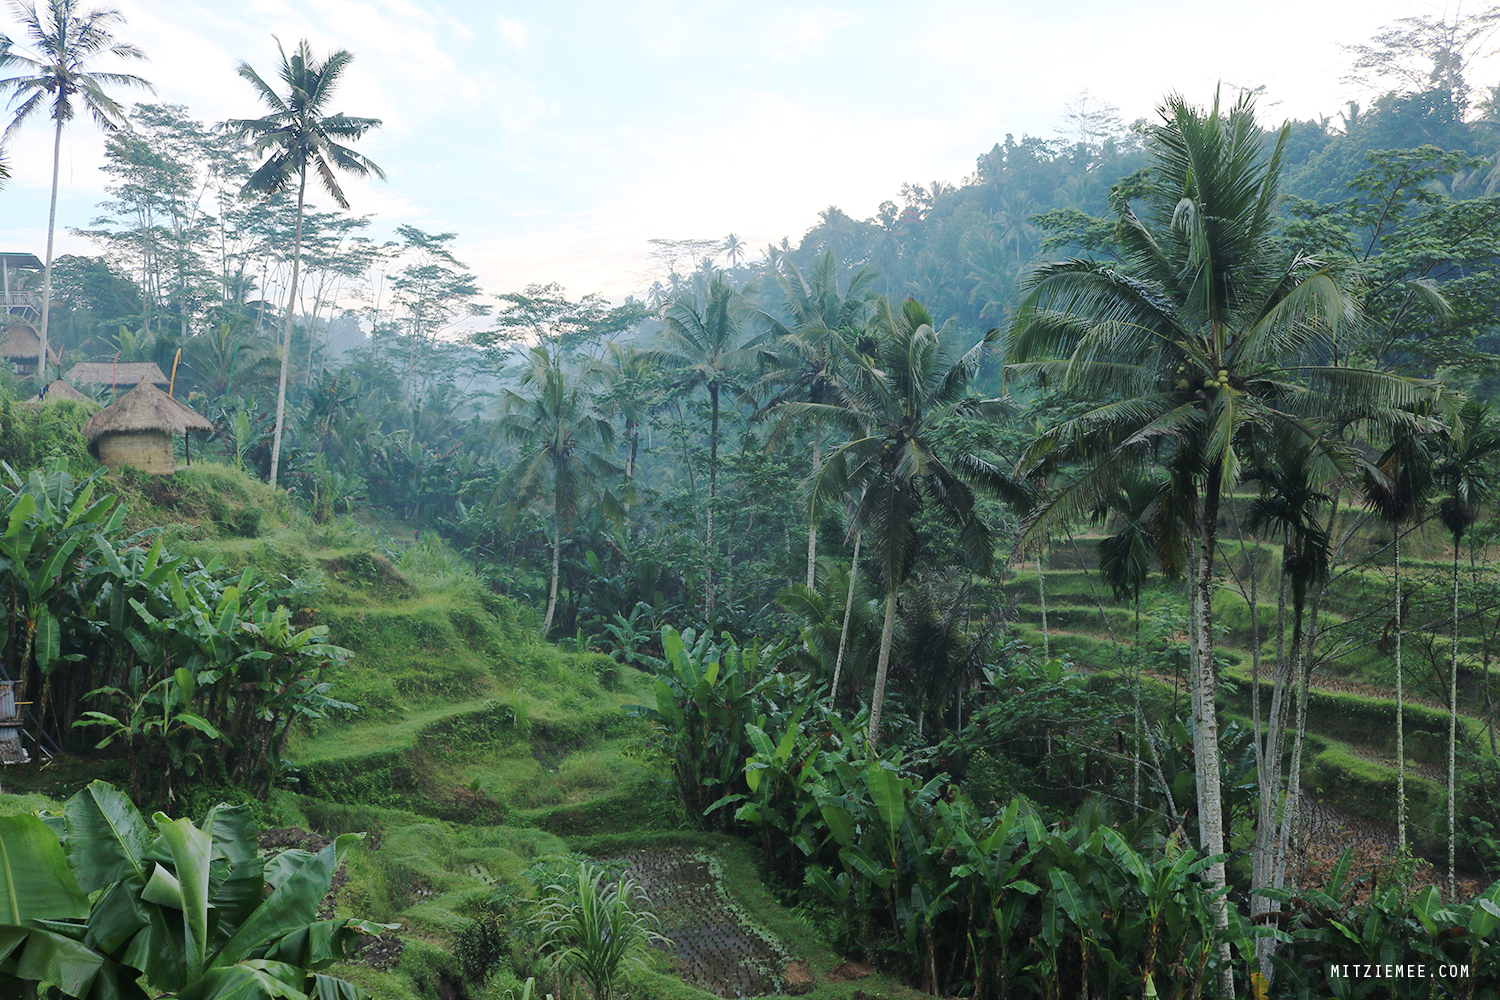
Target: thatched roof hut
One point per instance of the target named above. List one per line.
(23, 345)
(137, 429)
(116, 372)
(57, 391)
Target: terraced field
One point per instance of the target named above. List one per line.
(1351, 773)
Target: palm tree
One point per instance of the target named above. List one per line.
(1205, 330)
(892, 401)
(703, 337)
(1287, 506)
(65, 40)
(1143, 532)
(1465, 477)
(562, 440)
(300, 135)
(806, 351)
(1397, 490)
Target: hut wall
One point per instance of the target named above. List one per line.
(149, 451)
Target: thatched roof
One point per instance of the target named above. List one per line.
(145, 408)
(23, 342)
(116, 373)
(58, 390)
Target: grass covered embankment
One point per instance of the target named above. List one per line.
(475, 751)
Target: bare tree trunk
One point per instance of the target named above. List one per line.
(1453, 737)
(1041, 595)
(877, 700)
(1206, 722)
(286, 336)
(1400, 708)
(713, 486)
(838, 663)
(556, 562)
(41, 361)
(812, 520)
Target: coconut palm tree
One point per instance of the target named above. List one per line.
(704, 338)
(1464, 472)
(805, 351)
(563, 441)
(1205, 331)
(893, 399)
(301, 136)
(55, 74)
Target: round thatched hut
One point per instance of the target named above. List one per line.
(23, 346)
(137, 430)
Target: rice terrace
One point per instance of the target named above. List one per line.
(1076, 579)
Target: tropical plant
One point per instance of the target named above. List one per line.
(893, 400)
(596, 927)
(99, 900)
(65, 40)
(1398, 489)
(808, 347)
(703, 337)
(1207, 333)
(563, 441)
(1463, 473)
(301, 136)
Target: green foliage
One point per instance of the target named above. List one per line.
(594, 927)
(191, 909)
(705, 697)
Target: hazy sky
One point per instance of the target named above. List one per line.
(557, 138)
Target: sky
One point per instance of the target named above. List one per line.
(557, 138)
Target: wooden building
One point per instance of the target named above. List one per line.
(137, 430)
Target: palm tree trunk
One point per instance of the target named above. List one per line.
(1453, 733)
(286, 336)
(812, 521)
(1205, 719)
(877, 700)
(838, 663)
(556, 562)
(713, 486)
(1135, 690)
(1400, 709)
(41, 363)
(1041, 596)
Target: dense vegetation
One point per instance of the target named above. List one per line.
(1048, 579)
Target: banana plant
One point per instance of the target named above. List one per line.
(191, 909)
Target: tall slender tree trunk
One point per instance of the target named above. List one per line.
(286, 335)
(1135, 690)
(41, 361)
(877, 700)
(556, 562)
(1453, 736)
(1205, 719)
(713, 487)
(812, 520)
(1400, 707)
(1041, 596)
(838, 663)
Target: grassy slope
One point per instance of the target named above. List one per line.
(477, 747)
